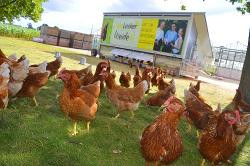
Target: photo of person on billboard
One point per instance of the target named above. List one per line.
(104, 32)
(178, 42)
(170, 36)
(159, 36)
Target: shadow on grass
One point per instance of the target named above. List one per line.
(242, 153)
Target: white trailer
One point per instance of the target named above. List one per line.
(178, 42)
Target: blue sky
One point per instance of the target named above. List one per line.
(225, 24)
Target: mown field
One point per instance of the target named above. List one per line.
(40, 135)
(18, 31)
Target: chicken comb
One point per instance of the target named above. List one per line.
(237, 118)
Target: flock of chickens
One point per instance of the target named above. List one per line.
(220, 132)
(19, 80)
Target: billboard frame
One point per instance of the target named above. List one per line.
(158, 15)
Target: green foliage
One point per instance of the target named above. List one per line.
(243, 8)
(18, 31)
(40, 135)
(244, 5)
(15, 9)
(183, 7)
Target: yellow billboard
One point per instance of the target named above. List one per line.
(149, 34)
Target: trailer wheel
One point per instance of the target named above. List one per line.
(93, 52)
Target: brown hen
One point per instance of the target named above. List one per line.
(125, 99)
(239, 103)
(218, 141)
(80, 104)
(163, 84)
(4, 80)
(161, 96)
(125, 79)
(147, 77)
(32, 85)
(137, 77)
(161, 142)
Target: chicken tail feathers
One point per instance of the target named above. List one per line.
(145, 85)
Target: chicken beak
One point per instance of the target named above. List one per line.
(59, 76)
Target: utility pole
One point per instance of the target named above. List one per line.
(91, 29)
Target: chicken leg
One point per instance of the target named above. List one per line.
(74, 128)
(88, 123)
(132, 113)
(1, 116)
(197, 134)
(151, 163)
(189, 128)
(34, 100)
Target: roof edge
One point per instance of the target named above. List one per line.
(151, 13)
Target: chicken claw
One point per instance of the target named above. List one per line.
(117, 116)
(13, 99)
(34, 100)
(203, 162)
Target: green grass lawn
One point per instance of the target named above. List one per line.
(40, 135)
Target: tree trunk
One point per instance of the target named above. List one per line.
(245, 77)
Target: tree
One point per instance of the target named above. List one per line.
(15, 9)
(245, 76)
(243, 8)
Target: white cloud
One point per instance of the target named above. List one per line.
(228, 28)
